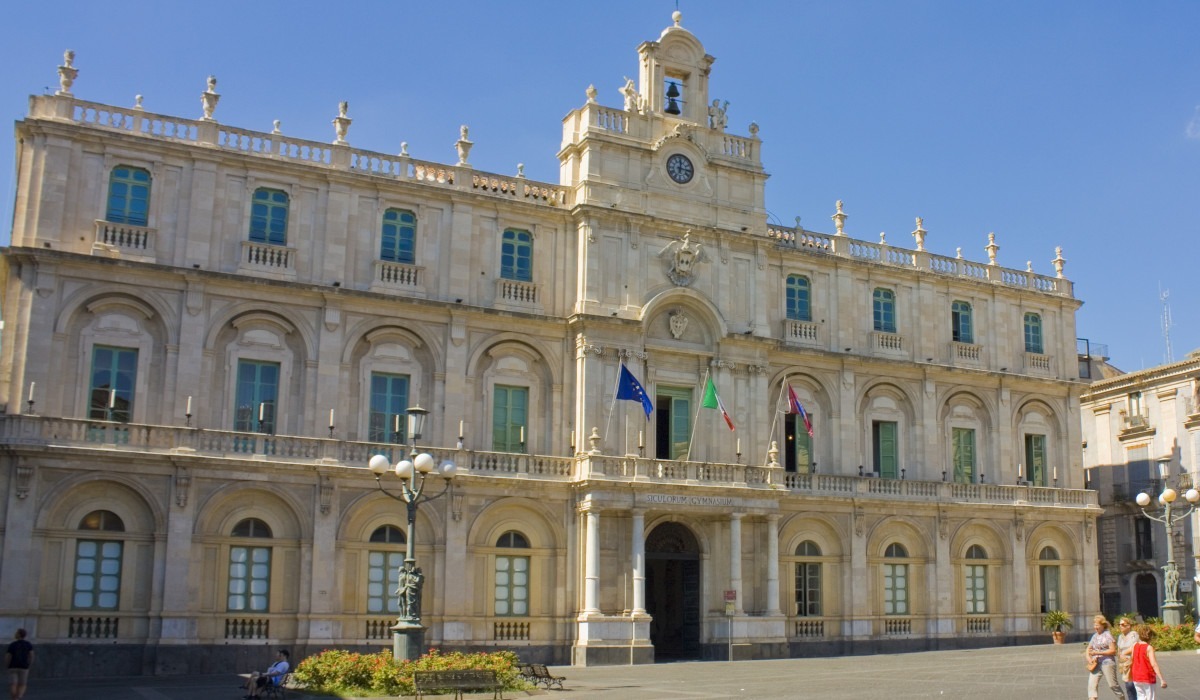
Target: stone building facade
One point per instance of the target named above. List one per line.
(1141, 433)
(211, 330)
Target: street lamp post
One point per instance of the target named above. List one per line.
(1171, 605)
(407, 633)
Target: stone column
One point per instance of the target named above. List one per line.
(735, 558)
(639, 562)
(773, 565)
(591, 562)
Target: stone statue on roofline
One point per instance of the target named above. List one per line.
(716, 115)
(633, 102)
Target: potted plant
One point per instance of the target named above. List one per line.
(1055, 622)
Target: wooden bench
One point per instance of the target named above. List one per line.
(538, 674)
(458, 681)
(273, 690)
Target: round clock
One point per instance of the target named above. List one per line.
(680, 168)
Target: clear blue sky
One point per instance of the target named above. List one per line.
(1050, 123)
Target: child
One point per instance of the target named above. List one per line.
(1144, 671)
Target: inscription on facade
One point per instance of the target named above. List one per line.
(663, 499)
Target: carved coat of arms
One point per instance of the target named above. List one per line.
(681, 257)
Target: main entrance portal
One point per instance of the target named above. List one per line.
(673, 592)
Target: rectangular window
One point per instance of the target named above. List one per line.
(673, 422)
(268, 216)
(516, 255)
(799, 458)
(887, 461)
(976, 589)
(808, 589)
(1033, 333)
(963, 443)
(257, 396)
(895, 589)
(128, 196)
(383, 578)
(960, 322)
(512, 586)
(399, 237)
(1143, 540)
(884, 301)
(389, 401)
(1035, 460)
(509, 407)
(97, 575)
(798, 307)
(249, 579)
(1050, 588)
(114, 371)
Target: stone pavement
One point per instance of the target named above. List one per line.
(1043, 672)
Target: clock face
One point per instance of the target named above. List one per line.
(680, 168)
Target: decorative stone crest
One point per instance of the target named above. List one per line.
(67, 73)
(463, 145)
(341, 123)
(682, 256)
(209, 99)
(839, 219)
(678, 323)
(919, 234)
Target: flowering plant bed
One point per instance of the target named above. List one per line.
(340, 672)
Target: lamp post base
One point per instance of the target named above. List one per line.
(1172, 614)
(408, 638)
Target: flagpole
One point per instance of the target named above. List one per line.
(613, 404)
(696, 419)
(775, 420)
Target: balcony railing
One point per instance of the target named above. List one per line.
(261, 257)
(42, 431)
(801, 332)
(1037, 363)
(124, 240)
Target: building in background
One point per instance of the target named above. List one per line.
(1136, 428)
(213, 329)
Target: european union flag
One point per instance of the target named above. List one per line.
(629, 389)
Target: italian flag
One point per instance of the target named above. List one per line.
(713, 400)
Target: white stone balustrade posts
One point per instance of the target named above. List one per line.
(639, 562)
(773, 565)
(735, 559)
(591, 560)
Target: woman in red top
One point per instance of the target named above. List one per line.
(1144, 671)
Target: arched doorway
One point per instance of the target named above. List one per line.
(673, 592)
(1145, 588)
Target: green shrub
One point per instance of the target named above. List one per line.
(340, 671)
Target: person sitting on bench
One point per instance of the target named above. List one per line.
(274, 675)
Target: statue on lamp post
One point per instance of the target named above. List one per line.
(1171, 607)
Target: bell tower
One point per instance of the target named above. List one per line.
(674, 74)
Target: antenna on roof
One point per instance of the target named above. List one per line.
(1166, 320)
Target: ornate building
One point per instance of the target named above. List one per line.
(212, 330)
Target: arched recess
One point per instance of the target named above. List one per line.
(810, 582)
(392, 354)
(514, 371)
(222, 509)
(135, 327)
(967, 428)
(898, 541)
(253, 336)
(888, 443)
(1054, 584)
(674, 589)
(798, 451)
(500, 569)
(70, 549)
(1040, 432)
(982, 561)
(697, 324)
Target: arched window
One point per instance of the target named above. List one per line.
(895, 581)
(516, 255)
(97, 584)
(961, 330)
(1049, 576)
(269, 216)
(128, 196)
(975, 582)
(884, 302)
(798, 298)
(383, 569)
(250, 569)
(399, 237)
(512, 577)
(1033, 333)
(808, 580)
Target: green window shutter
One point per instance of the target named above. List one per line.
(509, 417)
(1035, 459)
(388, 421)
(963, 441)
(886, 454)
(804, 444)
(1033, 333)
(114, 373)
(257, 396)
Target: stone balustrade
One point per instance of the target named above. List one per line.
(127, 240)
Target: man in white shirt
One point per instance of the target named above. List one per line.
(274, 675)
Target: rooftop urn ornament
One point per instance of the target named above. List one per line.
(754, 129)
(521, 170)
(591, 94)
(1058, 261)
(275, 127)
(882, 238)
(991, 248)
(716, 115)
(919, 234)
(463, 145)
(677, 17)
(67, 73)
(341, 123)
(773, 454)
(404, 148)
(1029, 266)
(839, 219)
(594, 439)
(209, 99)
(137, 102)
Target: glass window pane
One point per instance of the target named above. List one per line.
(83, 599)
(520, 607)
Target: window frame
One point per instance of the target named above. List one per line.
(266, 234)
(113, 392)
(798, 298)
(265, 420)
(387, 420)
(896, 572)
(512, 540)
(807, 580)
(507, 437)
(403, 247)
(963, 455)
(99, 523)
(249, 532)
(1054, 601)
(126, 214)
(975, 581)
(962, 322)
(516, 255)
(1034, 336)
(883, 305)
(385, 573)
